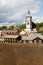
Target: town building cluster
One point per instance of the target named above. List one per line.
(28, 35)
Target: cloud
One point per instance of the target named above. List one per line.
(37, 19)
(14, 11)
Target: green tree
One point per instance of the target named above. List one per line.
(11, 27)
(4, 27)
(37, 27)
(39, 24)
(42, 32)
(21, 27)
(0, 28)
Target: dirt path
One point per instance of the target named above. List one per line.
(21, 54)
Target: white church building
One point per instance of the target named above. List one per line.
(32, 35)
(30, 26)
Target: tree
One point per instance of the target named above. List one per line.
(42, 32)
(11, 27)
(39, 24)
(3, 28)
(37, 27)
(21, 27)
(0, 28)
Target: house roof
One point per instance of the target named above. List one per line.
(32, 36)
(9, 31)
(9, 36)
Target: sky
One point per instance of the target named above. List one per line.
(13, 12)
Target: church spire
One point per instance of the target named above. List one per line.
(28, 22)
(28, 12)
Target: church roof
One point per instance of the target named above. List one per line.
(33, 25)
(32, 36)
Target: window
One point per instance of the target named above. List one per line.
(28, 23)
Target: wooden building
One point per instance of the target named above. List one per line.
(33, 38)
(8, 38)
(9, 32)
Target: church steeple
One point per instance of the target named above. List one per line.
(30, 26)
(28, 22)
(28, 12)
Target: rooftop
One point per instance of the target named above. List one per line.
(32, 36)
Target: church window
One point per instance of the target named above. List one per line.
(28, 23)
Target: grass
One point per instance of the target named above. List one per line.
(21, 54)
(41, 28)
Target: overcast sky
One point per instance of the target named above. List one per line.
(14, 11)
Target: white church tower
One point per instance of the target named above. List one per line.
(28, 23)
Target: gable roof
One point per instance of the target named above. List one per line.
(32, 36)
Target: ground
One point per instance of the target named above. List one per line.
(21, 54)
